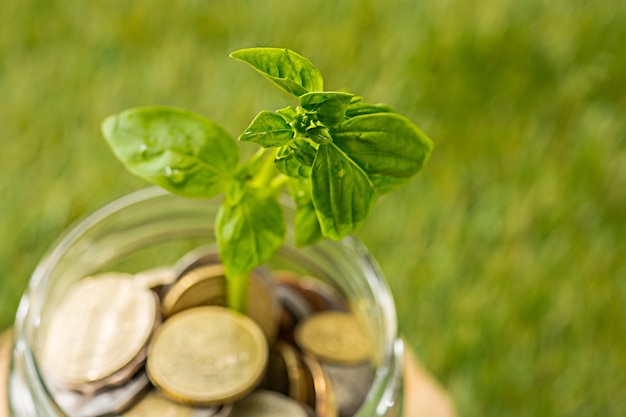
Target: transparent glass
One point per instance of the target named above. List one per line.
(150, 228)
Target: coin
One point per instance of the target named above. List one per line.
(203, 285)
(323, 395)
(99, 327)
(263, 307)
(113, 400)
(285, 372)
(204, 255)
(263, 403)
(124, 373)
(155, 279)
(156, 404)
(350, 385)
(293, 301)
(207, 356)
(206, 285)
(321, 296)
(335, 337)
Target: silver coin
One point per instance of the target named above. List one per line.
(293, 301)
(350, 385)
(205, 255)
(224, 411)
(156, 404)
(99, 327)
(264, 403)
(112, 401)
(155, 279)
(321, 295)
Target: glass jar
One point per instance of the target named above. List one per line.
(150, 228)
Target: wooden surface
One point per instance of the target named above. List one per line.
(423, 396)
(5, 351)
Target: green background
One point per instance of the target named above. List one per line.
(506, 254)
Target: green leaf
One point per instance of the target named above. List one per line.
(342, 193)
(319, 134)
(268, 130)
(249, 231)
(289, 113)
(330, 106)
(306, 225)
(359, 108)
(288, 70)
(176, 149)
(296, 159)
(388, 147)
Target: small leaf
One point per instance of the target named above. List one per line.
(288, 70)
(296, 159)
(306, 226)
(388, 147)
(268, 130)
(318, 134)
(342, 193)
(330, 106)
(288, 113)
(360, 108)
(176, 149)
(249, 232)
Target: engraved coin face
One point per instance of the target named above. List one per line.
(207, 356)
(100, 326)
(156, 404)
(264, 403)
(335, 337)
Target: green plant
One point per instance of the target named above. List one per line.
(335, 153)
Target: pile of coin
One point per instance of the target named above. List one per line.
(161, 342)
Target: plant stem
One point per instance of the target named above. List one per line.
(266, 170)
(277, 183)
(237, 292)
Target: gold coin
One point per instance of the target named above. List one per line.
(263, 307)
(334, 337)
(285, 372)
(204, 285)
(207, 356)
(98, 328)
(264, 403)
(156, 404)
(323, 395)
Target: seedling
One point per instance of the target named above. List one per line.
(334, 152)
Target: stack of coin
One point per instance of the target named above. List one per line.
(161, 342)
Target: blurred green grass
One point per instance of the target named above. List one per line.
(505, 255)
